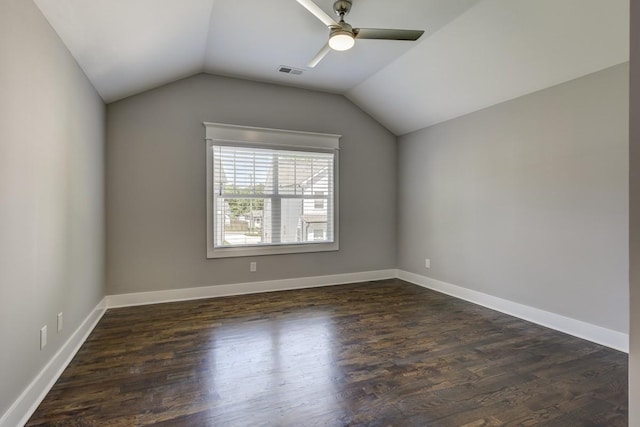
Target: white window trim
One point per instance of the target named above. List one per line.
(217, 133)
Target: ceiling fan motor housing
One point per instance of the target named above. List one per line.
(344, 28)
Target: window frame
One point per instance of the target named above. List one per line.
(247, 136)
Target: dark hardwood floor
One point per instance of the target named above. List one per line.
(382, 353)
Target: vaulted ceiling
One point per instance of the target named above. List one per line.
(474, 53)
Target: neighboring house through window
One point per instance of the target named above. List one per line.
(319, 203)
(270, 191)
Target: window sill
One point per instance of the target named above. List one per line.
(234, 252)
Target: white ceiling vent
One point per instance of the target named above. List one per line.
(289, 70)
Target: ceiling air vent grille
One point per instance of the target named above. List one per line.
(289, 70)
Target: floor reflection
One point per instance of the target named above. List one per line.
(271, 362)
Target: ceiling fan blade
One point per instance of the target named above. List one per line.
(387, 34)
(319, 13)
(316, 59)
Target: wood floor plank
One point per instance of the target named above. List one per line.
(383, 353)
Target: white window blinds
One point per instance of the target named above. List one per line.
(266, 196)
(270, 191)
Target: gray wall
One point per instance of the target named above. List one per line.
(156, 214)
(526, 200)
(51, 194)
(634, 219)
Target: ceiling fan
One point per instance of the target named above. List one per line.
(342, 36)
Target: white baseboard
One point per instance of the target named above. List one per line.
(26, 404)
(142, 298)
(598, 334)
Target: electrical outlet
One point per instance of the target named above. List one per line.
(59, 322)
(43, 337)
(253, 266)
(427, 263)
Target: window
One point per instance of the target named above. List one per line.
(270, 191)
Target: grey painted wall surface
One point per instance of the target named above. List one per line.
(634, 219)
(526, 200)
(156, 212)
(51, 194)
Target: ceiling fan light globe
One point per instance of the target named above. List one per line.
(341, 41)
